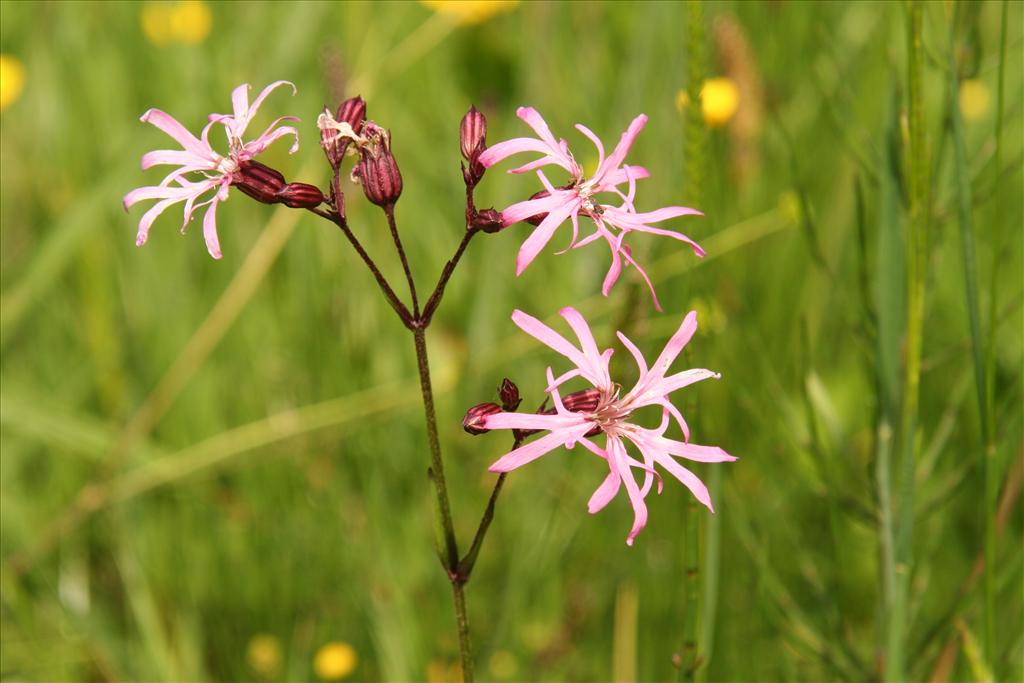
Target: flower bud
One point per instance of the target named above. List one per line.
(301, 196)
(582, 401)
(378, 171)
(473, 141)
(508, 392)
(473, 134)
(336, 132)
(488, 220)
(477, 415)
(259, 181)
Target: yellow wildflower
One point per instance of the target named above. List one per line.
(470, 11)
(335, 661)
(156, 22)
(974, 99)
(12, 80)
(188, 21)
(264, 655)
(719, 100)
(191, 21)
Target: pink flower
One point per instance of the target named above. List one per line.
(556, 204)
(200, 168)
(612, 416)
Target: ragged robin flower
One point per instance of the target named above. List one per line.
(605, 409)
(201, 169)
(550, 208)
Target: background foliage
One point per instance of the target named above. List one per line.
(212, 469)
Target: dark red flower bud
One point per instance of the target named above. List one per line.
(582, 401)
(488, 220)
(473, 134)
(259, 181)
(353, 112)
(473, 141)
(508, 392)
(539, 218)
(475, 417)
(301, 196)
(378, 171)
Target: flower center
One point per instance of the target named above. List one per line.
(610, 411)
(227, 165)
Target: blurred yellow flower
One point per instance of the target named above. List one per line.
(719, 100)
(12, 80)
(470, 11)
(503, 665)
(441, 672)
(187, 21)
(264, 655)
(334, 661)
(974, 99)
(191, 21)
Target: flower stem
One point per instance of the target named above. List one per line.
(451, 550)
(446, 274)
(468, 562)
(389, 293)
(389, 211)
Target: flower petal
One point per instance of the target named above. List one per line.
(172, 127)
(618, 459)
(547, 336)
(539, 238)
(697, 453)
(210, 230)
(618, 155)
(536, 449)
(605, 492)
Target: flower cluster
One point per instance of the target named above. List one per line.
(550, 207)
(604, 409)
(202, 170)
(606, 199)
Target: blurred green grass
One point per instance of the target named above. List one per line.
(276, 483)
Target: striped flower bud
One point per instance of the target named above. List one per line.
(301, 196)
(378, 171)
(473, 141)
(259, 181)
(477, 415)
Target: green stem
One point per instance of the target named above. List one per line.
(916, 265)
(451, 550)
(991, 479)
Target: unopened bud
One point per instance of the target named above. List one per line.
(259, 181)
(301, 196)
(508, 392)
(473, 141)
(473, 134)
(582, 401)
(477, 415)
(488, 220)
(378, 171)
(337, 132)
